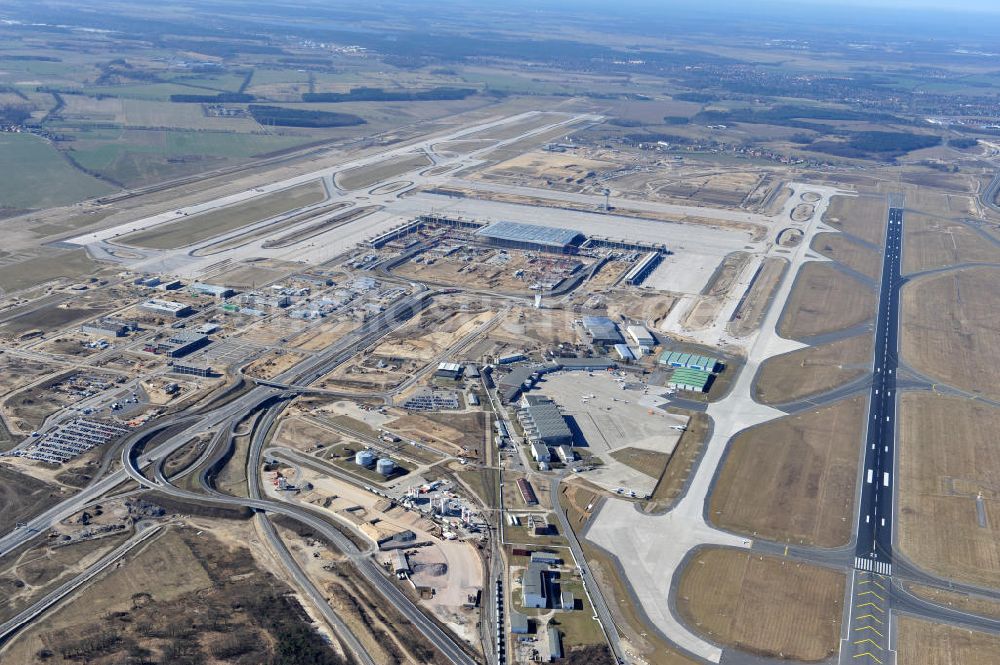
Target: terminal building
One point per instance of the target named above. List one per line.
(531, 237)
(643, 269)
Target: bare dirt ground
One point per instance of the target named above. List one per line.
(319, 337)
(949, 328)
(453, 433)
(372, 174)
(939, 520)
(750, 312)
(549, 166)
(651, 307)
(814, 369)
(272, 364)
(803, 212)
(793, 479)
(861, 216)
(303, 435)
(854, 255)
(924, 643)
(825, 300)
(766, 605)
(931, 242)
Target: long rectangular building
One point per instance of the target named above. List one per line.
(689, 361)
(531, 237)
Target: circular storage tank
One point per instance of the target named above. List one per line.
(364, 458)
(385, 466)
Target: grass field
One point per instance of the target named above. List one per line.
(201, 227)
(960, 601)
(812, 370)
(793, 479)
(681, 462)
(136, 157)
(26, 274)
(921, 642)
(861, 216)
(854, 255)
(765, 605)
(949, 328)
(938, 520)
(825, 300)
(930, 242)
(35, 175)
(366, 176)
(22, 497)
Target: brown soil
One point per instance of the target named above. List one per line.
(861, 216)
(765, 605)
(949, 329)
(921, 642)
(947, 456)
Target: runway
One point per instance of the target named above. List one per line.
(869, 638)
(873, 551)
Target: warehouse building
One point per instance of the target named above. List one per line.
(531, 237)
(624, 352)
(166, 308)
(545, 424)
(540, 452)
(192, 369)
(180, 344)
(642, 337)
(602, 330)
(527, 492)
(555, 644)
(586, 364)
(212, 290)
(448, 371)
(690, 379)
(689, 361)
(533, 587)
(109, 327)
(519, 624)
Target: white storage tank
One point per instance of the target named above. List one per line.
(364, 458)
(385, 466)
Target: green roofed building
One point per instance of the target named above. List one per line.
(690, 379)
(689, 361)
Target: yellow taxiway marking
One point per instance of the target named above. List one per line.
(869, 640)
(871, 593)
(871, 628)
(871, 582)
(868, 616)
(870, 655)
(869, 604)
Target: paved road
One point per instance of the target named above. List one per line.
(315, 596)
(601, 609)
